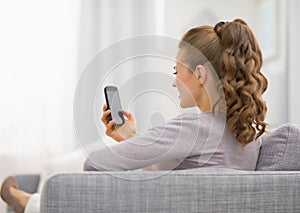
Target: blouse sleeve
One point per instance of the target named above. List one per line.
(174, 140)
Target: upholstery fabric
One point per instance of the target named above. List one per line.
(280, 149)
(193, 190)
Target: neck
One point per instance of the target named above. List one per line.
(204, 103)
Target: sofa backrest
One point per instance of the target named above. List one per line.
(191, 190)
(280, 150)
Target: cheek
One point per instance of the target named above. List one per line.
(181, 82)
(187, 98)
(185, 85)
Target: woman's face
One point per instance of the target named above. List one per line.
(187, 84)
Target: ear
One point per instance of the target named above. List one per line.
(201, 73)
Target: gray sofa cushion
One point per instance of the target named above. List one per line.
(280, 149)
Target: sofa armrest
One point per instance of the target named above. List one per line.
(194, 190)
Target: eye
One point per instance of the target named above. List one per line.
(175, 73)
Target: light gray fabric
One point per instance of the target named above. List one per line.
(28, 183)
(193, 190)
(187, 141)
(33, 204)
(280, 149)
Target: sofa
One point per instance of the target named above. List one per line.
(273, 187)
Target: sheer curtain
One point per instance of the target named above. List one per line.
(39, 47)
(39, 42)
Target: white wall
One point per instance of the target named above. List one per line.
(275, 63)
(182, 15)
(293, 57)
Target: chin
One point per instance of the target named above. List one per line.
(186, 105)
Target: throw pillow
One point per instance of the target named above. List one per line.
(280, 150)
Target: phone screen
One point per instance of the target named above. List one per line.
(114, 104)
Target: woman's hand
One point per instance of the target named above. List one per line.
(120, 133)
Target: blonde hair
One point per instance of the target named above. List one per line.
(233, 52)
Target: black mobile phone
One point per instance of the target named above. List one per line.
(114, 104)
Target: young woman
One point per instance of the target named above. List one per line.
(218, 70)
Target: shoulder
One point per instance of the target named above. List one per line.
(189, 122)
(193, 117)
(184, 124)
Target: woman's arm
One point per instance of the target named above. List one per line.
(174, 140)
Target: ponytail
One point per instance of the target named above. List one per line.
(234, 53)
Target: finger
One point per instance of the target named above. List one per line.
(129, 115)
(105, 117)
(109, 127)
(104, 107)
(126, 113)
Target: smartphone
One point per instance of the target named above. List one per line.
(114, 104)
